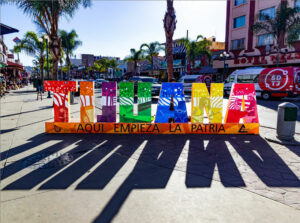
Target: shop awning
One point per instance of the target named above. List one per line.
(4, 29)
(14, 65)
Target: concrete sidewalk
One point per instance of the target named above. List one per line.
(139, 178)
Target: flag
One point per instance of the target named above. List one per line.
(16, 40)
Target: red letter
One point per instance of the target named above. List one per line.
(242, 104)
(61, 98)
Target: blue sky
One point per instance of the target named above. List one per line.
(112, 28)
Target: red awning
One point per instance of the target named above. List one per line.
(14, 65)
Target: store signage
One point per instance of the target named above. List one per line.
(258, 60)
(171, 117)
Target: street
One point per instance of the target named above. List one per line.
(141, 178)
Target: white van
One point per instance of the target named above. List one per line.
(269, 82)
(187, 81)
(249, 75)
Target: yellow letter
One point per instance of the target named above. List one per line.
(212, 104)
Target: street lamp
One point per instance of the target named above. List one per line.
(224, 56)
(47, 48)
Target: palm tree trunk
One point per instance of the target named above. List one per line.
(41, 61)
(55, 52)
(169, 48)
(55, 43)
(68, 64)
(61, 70)
(42, 72)
(169, 26)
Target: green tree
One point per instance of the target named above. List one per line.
(285, 23)
(101, 65)
(196, 48)
(169, 27)
(204, 47)
(69, 44)
(135, 57)
(150, 50)
(34, 46)
(113, 64)
(46, 15)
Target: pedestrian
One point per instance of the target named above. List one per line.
(39, 89)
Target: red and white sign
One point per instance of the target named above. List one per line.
(277, 79)
(258, 60)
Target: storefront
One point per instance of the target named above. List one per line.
(242, 62)
(14, 71)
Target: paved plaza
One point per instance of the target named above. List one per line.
(141, 178)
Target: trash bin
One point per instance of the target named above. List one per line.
(286, 121)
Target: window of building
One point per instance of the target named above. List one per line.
(239, 21)
(265, 39)
(239, 2)
(238, 44)
(267, 13)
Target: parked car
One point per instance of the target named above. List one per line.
(269, 82)
(155, 85)
(98, 83)
(187, 82)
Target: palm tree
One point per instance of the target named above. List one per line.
(61, 60)
(135, 57)
(285, 22)
(101, 65)
(33, 46)
(114, 65)
(169, 26)
(196, 48)
(152, 49)
(204, 47)
(46, 15)
(69, 43)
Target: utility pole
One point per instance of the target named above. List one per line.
(49, 93)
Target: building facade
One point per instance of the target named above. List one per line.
(146, 67)
(87, 60)
(251, 50)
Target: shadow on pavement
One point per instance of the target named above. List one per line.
(20, 113)
(295, 149)
(7, 131)
(96, 159)
(24, 92)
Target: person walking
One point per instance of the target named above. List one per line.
(39, 89)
